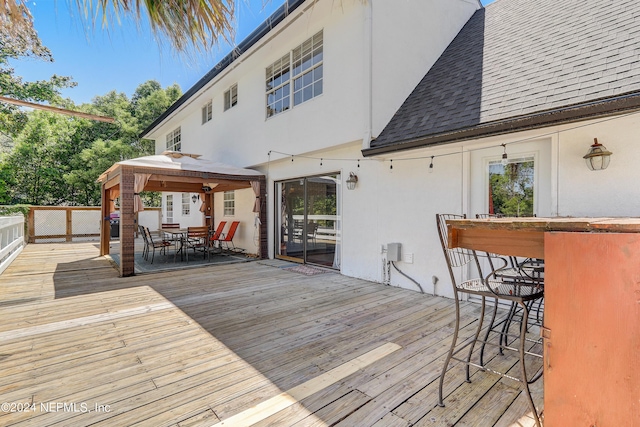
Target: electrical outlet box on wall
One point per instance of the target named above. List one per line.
(394, 251)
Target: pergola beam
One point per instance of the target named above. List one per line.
(57, 110)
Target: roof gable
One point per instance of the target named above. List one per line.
(517, 58)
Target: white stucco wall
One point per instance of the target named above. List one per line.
(195, 217)
(400, 204)
(246, 236)
(243, 135)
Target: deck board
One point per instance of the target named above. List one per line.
(199, 346)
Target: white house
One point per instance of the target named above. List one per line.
(420, 100)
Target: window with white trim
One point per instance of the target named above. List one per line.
(186, 207)
(229, 203)
(231, 97)
(511, 186)
(174, 140)
(169, 208)
(302, 69)
(207, 112)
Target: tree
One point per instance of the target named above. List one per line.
(40, 158)
(512, 188)
(18, 39)
(183, 23)
(57, 159)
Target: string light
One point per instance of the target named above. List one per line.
(505, 159)
(320, 161)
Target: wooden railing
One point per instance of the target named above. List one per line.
(69, 223)
(11, 239)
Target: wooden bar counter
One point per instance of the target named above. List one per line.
(592, 310)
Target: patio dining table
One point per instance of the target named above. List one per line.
(178, 234)
(591, 332)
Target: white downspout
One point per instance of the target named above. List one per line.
(367, 73)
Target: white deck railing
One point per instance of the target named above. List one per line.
(11, 239)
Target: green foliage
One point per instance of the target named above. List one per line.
(512, 188)
(12, 119)
(56, 159)
(14, 210)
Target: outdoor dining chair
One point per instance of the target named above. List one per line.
(216, 234)
(197, 239)
(145, 250)
(518, 290)
(151, 244)
(227, 238)
(172, 226)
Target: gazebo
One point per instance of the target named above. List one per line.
(176, 172)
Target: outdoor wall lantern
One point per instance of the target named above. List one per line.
(352, 181)
(195, 197)
(597, 157)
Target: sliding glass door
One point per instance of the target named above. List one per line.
(308, 220)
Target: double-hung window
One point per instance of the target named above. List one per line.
(207, 112)
(229, 203)
(231, 97)
(307, 69)
(174, 140)
(300, 70)
(186, 207)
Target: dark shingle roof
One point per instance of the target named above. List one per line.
(518, 58)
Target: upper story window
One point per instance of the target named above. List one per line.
(174, 140)
(231, 97)
(207, 112)
(300, 68)
(229, 203)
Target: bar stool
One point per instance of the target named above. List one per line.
(516, 289)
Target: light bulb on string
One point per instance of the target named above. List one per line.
(391, 164)
(321, 161)
(431, 165)
(505, 160)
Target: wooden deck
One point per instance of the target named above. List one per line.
(230, 345)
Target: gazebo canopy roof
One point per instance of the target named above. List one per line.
(173, 160)
(176, 171)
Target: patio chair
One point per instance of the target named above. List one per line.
(172, 226)
(517, 290)
(145, 250)
(312, 231)
(216, 234)
(162, 244)
(197, 239)
(227, 238)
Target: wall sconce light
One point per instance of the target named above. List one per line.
(597, 157)
(195, 197)
(352, 181)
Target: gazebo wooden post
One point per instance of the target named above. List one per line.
(127, 223)
(105, 228)
(264, 238)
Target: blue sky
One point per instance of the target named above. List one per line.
(124, 56)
